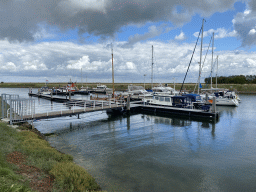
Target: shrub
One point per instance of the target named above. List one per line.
(73, 177)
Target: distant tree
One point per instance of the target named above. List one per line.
(235, 79)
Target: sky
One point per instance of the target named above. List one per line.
(59, 40)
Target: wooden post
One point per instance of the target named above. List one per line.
(206, 98)
(214, 104)
(128, 107)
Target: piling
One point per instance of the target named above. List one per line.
(214, 104)
(128, 106)
(69, 95)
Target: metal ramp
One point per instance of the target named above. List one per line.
(17, 110)
(14, 108)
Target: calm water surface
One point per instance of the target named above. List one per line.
(152, 153)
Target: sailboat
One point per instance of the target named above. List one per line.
(223, 96)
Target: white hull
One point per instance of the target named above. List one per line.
(227, 102)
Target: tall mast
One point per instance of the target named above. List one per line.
(81, 77)
(200, 64)
(217, 70)
(152, 70)
(112, 71)
(212, 56)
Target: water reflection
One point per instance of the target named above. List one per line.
(227, 111)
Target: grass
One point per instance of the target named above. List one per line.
(9, 180)
(68, 176)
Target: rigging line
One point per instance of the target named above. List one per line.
(191, 59)
(213, 64)
(203, 62)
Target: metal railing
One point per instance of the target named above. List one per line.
(25, 109)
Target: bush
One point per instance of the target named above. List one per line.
(73, 177)
(40, 148)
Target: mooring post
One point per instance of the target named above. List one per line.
(214, 104)
(128, 107)
(206, 98)
(51, 95)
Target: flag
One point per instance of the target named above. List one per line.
(200, 86)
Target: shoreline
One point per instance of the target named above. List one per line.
(190, 87)
(26, 154)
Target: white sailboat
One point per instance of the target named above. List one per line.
(224, 97)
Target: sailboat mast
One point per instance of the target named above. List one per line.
(217, 70)
(81, 77)
(200, 64)
(112, 71)
(212, 56)
(152, 70)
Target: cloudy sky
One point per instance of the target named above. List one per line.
(56, 40)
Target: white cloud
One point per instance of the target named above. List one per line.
(59, 61)
(180, 37)
(219, 33)
(10, 66)
(34, 65)
(252, 32)
(131, 66)
(79, 64)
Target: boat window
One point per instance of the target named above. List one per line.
(156, 98)
(167, 99)
(161, 99)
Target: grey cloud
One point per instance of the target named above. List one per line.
(244, 23)
(20, 19)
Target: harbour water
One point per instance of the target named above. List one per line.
(152, 153)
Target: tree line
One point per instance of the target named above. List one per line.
(234, 79)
